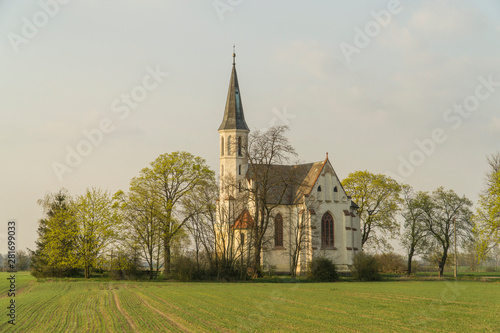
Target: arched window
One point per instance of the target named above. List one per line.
(239, 146)
(335, 194)
(319, 188)
(335, 189)
(278, 231)
(327, 230)
(222, 146)
(229, 145)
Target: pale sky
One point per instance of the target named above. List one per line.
(363, 90)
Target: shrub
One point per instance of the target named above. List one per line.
(391, 262)
(365, 267)
(322, 270)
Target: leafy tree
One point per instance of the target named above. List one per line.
(487, 217)
(96, 222)
(141, 224)
(172, 178)
(55, 253)
(440, 210)
(378, 199)
(415, 234)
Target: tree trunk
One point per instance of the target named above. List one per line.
(166, 250)
(256, 264)
(442, 262)
(410, 257)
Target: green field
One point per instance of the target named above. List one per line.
(395, 306)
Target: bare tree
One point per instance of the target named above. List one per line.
(269, 185)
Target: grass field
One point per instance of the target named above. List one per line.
(114, 306)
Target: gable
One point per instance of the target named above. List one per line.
(330, 185)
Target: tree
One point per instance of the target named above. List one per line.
(141, 225)
(55, 253)
(441, 210)
(173, 177)
(202, 225)
(97, 222)
(414, 238)
(378, 199)
(23, 260)
(269, 186)
(298, 240)
(487, 217)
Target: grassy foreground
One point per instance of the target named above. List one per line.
(396, 306)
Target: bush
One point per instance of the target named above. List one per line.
(391, 263)
(322, 270)
(365, 267)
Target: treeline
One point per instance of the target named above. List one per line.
(124, 232)
(433, 223)
(23, 261)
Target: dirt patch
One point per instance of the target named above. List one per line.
(171, 321)
(124, 313)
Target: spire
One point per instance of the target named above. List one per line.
(233, 114)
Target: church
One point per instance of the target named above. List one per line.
(315, 217)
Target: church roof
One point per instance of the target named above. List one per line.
(244, 220)
(233, 114)
(288, 183)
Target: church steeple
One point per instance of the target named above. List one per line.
(234, 119)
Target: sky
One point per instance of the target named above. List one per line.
(92, 91)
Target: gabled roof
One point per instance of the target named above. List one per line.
(288, 183)
(244, 220)
(233, 114)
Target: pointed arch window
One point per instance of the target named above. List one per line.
(239, 146)
(222, 148)
(319, 188)
(229, 145)
(278, 231)
(327, 230)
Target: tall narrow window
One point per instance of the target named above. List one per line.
(239, 169)
(222, 148)
(229, 145)
(327, 230)
(278, 231)
(242, 240)
(239, 146)
(239, 187)
(335, 194)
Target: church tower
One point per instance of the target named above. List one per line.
(233, 133)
